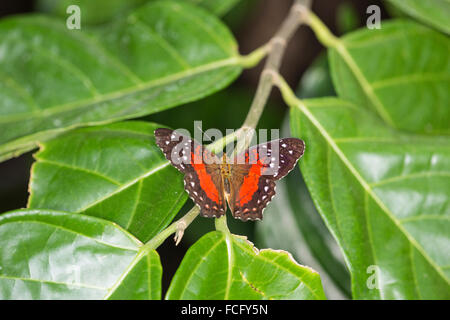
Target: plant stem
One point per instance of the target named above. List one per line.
(176, 227)
(218, 145)
(288, 95)
(275, 50)
(278, 47)
(253, 58)
(323, 34)
(221, 224)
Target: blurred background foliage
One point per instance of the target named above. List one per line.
(252, 22)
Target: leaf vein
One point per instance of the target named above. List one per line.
(233, 61)
(64, 165)
(125, 186)
(163, 43)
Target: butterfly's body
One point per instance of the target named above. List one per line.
(226, 174)
(247, 185)
(230, 174)
(225, 169)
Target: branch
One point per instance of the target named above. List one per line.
(176, 227)
(278, 46)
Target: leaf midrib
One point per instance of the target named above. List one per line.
(364, 83)
(125, 186)
(75, 284)
(341, 46)
(230, 250)
(137, 258)
(232, 61)
(366, 186)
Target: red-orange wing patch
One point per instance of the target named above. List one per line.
(264, 164)
(202, 178)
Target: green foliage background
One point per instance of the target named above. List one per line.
(372, 189)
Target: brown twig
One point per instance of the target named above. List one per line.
(273, 62)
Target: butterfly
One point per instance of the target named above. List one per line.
(246, 182)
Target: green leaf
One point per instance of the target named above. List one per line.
(383, 195)
(218, 7)
(101, 11)
(53, 79)
(316, 81)
(92, 12)
(221, 266)
(376, 67)
(432, 12)
(117, 173)
(347, 18)
(56, 255)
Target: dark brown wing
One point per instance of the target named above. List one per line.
(276, 157)
(202, 179)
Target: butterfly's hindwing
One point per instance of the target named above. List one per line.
(205, 189)
(202, 178)
(249, 205)
(254, 181)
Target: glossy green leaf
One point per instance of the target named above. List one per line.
(347, 17)
(221, 266)
(435, 13)
(115, 172)
(53, 79)
(56, 255)
(102, 11)
(376, 67)
(384, 196)
(218, 7)
(316, 80)
(92, 12)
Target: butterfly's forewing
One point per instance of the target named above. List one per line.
(253, 183)
(202, 179)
